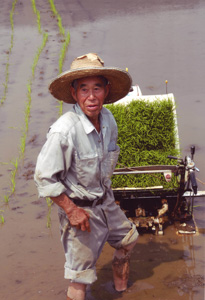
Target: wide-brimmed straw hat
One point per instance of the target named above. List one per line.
(91, 65)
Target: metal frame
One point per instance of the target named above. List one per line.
(154, 207)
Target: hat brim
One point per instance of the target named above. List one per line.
(120, 82)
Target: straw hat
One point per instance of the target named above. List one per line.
(91, 65)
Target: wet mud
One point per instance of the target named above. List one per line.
(157, 41)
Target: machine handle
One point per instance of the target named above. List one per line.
(172, 157)
(193, 182)
(192, 151)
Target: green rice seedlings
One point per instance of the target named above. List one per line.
(29, 90)
(13, 175)
(146, 137)
(5, 84)
(49, 204)
(23, 144)
(53, 8)
(24, 130)
(63, 49)
(12, 10)
(40, 49)
(60, 107)
(61, 29)
(33, 2)
(55, 12)
(13, 180)
(62, 32)
(1, 217)
(61, 61)
(3, 163)
(28, 103)
(36, 11)
(11, 20)
(6, 198)
(63, 52)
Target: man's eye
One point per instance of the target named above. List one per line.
(97, 88)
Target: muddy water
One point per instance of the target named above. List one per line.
(157, 41)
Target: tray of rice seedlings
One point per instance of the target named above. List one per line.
(147, 134)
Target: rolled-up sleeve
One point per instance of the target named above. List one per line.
(52, 163)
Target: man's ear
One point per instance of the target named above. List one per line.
(73, 93)
(107, 89)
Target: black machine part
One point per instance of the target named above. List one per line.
(152, 207)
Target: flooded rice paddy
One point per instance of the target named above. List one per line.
(156, 41)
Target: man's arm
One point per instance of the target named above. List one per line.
(77, 216)
(52, 163)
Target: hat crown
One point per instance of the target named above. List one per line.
(90, 60)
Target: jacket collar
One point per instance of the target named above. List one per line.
(87, 125)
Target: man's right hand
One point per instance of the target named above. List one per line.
(77, 216)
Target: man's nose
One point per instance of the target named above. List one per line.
(91, 95)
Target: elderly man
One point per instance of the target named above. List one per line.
(74, 169)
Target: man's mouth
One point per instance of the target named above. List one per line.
(92, 107)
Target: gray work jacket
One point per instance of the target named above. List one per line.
(76, 159)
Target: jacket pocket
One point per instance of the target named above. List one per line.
(87, 170)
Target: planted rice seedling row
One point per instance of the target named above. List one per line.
(57, 15)
(49, 204)
(63, 49)
(61, 61)
(5, 84)
(1, 217)
(36, 11)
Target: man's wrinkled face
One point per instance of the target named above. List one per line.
(90, 93)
